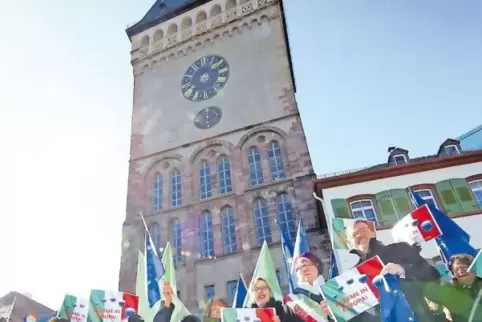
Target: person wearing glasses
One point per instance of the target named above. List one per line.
(463, 298)
(400, 259)
(263, 298)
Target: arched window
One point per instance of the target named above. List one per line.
(224, 174)
(204, 181)
(284, 209)
(276, 165)
(261, 221)
(176, 188)
(255, 171)
(228, 230)
(157, 193)
(206, 232)
(175, 239)
(155, 231)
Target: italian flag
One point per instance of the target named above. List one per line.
(353, 292)
(247, 315)
(476, 266)
(304, 307)
(111, 306)
(74, 309)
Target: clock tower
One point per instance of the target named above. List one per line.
(218, 151)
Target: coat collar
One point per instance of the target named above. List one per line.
(315, 287)
(373, 246)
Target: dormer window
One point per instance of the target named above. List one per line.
(400, 158)
(451, 150)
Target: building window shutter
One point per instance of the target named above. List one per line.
(388, 215)
(464, 194)
(449, 200)
(401, 202)
(340, 208)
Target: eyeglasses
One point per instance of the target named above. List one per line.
(358, 232)
(260, 288)
(303, 266)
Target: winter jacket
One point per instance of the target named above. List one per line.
(463, 302)
(282, 311)
(417, 273)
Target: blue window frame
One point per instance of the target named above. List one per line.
(276, 164)
(204, 181)
(364, 210)
(231, 288)
(261, 221)
(228, 230)
(176, 188)
(176, 241)
(255, 170)
(209, 292)
(286, 221)
(206, 234)
(224, 174)
(157, 193)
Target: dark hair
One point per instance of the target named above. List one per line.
(312, 258)
(465, 259)
(191, 318)
(135, 318)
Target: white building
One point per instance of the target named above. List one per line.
(451, 179)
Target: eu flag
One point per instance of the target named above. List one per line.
(287, 249)
(155, 270)
(394, 306)
(454, 240)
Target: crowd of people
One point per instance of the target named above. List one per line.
(430, 298)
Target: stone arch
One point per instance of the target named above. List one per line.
(172, 29)
(145, 41)
(158, 35)
(145, 67)
(264, 18)
(264, 128)
(201, 16)
(186, 23)
(226, 33)
(215, 10)
(212, 143)
(154, 167)
(255, 22)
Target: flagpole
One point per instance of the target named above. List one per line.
(330, 230)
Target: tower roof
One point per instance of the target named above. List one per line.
(161, 11)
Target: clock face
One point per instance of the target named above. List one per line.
(208, 117)
(205, 78)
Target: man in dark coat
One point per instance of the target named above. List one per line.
(400, 259)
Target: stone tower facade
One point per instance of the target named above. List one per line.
(218, 150)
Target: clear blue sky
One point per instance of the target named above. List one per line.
(370, 74)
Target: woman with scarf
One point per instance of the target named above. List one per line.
(263, 298)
